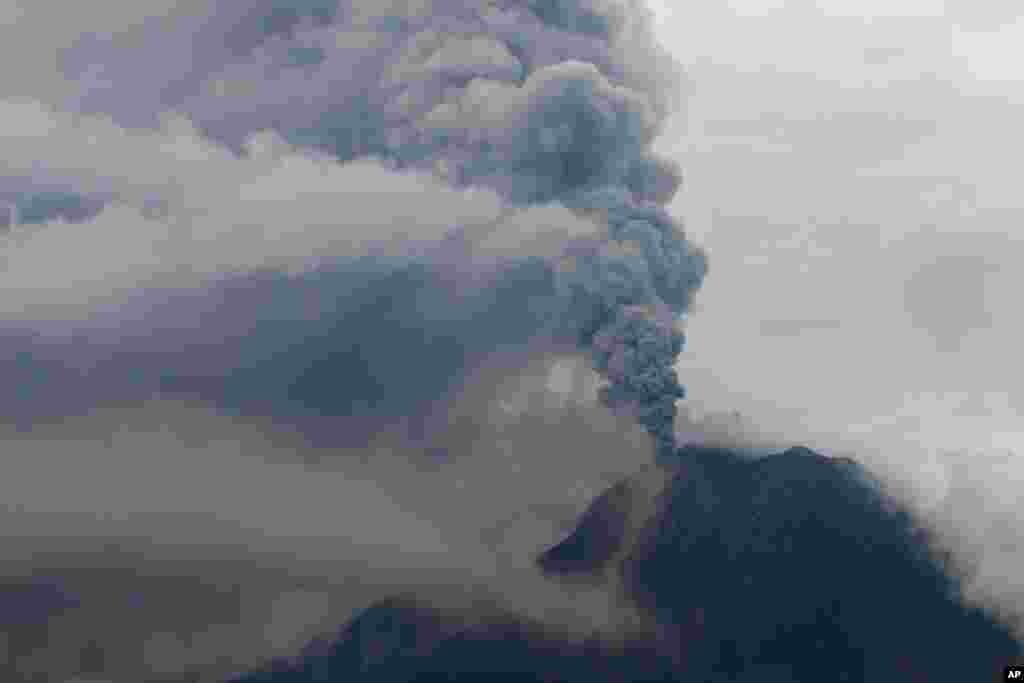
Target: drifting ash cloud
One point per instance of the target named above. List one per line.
(568, 117)
(371, 221)
(163, 541)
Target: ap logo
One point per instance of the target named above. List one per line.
(1013, 673)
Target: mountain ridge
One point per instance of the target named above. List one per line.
(774, 568)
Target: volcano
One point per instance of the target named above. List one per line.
(787, 568)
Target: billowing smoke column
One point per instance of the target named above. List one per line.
(542, 102)
(636, 354)
(547, 101)
(630, 288)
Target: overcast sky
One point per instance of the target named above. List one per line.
(853, 175)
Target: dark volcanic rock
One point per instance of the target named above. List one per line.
(593, 543)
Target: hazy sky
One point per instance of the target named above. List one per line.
(853, 175)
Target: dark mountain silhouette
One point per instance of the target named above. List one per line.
(789, 568)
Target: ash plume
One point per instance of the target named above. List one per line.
(356, 223)
(471, 114)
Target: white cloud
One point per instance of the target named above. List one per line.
(992, 55)
(219, 213)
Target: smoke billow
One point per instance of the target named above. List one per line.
(460, 118)
(177, 542)
(384, 229)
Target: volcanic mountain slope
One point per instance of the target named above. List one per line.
(785, 568)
